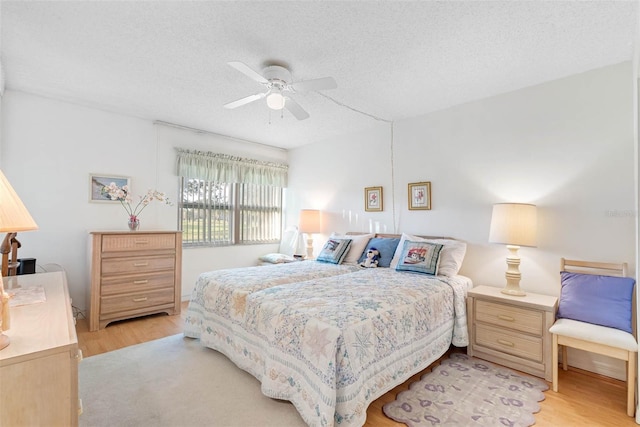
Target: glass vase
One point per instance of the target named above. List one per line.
(134, 223)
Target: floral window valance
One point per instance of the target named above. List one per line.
(216, 167)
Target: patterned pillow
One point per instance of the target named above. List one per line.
(358, 243)
(334, 250)
(451, 256)
(419, 257)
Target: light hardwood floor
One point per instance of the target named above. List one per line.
(583, 399)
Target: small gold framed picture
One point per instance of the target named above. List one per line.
(373, 199)
(420, 196)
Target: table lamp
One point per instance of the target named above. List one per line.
(14, 217)
(309, 224)
(513, 224)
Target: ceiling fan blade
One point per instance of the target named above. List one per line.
(244, 69)
(315, 84)
(295, 109)
(244, 101)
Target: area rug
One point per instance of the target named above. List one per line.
(175, 381)
(465, 391)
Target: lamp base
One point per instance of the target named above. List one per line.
(513, 273)
(514, 292)
(309, 246)
(4, 341)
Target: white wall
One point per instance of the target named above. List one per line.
(566, 146)
(49, 148)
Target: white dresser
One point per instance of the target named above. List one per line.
(39, 368)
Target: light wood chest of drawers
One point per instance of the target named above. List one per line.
(511, 331)
(134, 274)
(39, 368)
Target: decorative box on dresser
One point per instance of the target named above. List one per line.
(510, 330)
(134, 273)
(39, 368)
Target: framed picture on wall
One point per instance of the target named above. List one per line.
(373, 199)
(98, 181)
(420, 196)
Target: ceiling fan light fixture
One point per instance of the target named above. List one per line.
(275, 101)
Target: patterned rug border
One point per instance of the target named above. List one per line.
(441, 397)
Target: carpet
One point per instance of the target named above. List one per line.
(465, 391)
(175, 381)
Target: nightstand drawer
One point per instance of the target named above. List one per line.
(508, 316)
(509, 342)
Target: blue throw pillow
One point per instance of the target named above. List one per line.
(385, 245)
(419, 257)
(601, 300)
(334, 250)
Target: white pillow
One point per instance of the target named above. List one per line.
(358, 245)
(276, 258)
(451, 256)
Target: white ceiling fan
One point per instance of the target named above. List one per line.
(277, 80)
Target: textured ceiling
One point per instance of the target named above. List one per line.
(391, 60)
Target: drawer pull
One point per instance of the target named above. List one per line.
(139, 299)
(140, 282)
(505, 342)
(140, 242)
(140, 264)
(507, 318)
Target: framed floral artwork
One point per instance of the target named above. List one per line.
(373, 199)
(420, 196)
(98, 182)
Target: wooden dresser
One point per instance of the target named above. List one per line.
(510, 330)
(134, 273)
(39, 368)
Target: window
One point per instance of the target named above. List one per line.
(228, 200)
(206, 213)
(218, 214)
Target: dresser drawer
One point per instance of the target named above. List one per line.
(508, 316)
(508, 342)
(136, 283)
(133, 265)
(137, 242)
(114, 304)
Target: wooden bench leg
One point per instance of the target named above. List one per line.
(554, 361)
(565, 358)
(631, 384)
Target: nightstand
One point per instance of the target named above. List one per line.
(511, 331)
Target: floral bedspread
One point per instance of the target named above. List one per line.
(225, 291)
(333, 345)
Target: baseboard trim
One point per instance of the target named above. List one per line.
(596, 363)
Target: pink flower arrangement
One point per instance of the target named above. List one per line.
(123, 195)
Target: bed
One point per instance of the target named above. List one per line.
(330, 338)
